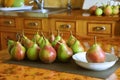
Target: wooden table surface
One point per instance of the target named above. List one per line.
(19, 72)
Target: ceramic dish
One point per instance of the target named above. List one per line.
(80, 59)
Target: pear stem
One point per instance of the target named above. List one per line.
(58, 32)
(70, 32)
(95, 39)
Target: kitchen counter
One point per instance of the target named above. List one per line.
(60, 14)
(18, 72)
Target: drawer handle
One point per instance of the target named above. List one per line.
(33, 24)
(68, 26)
(99, 28)
(8, 22)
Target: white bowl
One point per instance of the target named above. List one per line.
(80, 59)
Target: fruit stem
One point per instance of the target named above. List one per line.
(95, 39)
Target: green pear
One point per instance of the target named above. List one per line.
(18, 3)
(36, 37)
(47, 53)
(71, 39)
(64, 53)
(57, 38)
(95, 54)
(115, 10)
(77, 47)
(10, 44)
(41, 42)
(18, 51)
(98, 11)
(33, 52)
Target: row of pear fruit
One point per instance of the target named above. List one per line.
(47, 50)
(105, 9)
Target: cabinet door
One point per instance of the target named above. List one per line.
(5, 36)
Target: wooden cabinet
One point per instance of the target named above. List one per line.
(98, 28)
(64, 26)
(11, 26)
(5, 36)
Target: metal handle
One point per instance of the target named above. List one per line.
(99, 28)
(68, 26)
(33, 24)
(7, 22)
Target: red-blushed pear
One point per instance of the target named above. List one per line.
(18, 51)
(26, 42)
(47, 54)
(107, 10)
(92, 9)
(51, 37)
(95, 54)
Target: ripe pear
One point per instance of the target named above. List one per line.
(51, 37)
(27, 43)
(47, 54)
(71, 39)
(33, 52)
(95, 54)
(107, 10)
(77, 47)
(64, 53)
(92, 9)
(18, 51)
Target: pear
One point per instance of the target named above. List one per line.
(47, 53)
(115, 10)
(64, 53)
(10, 44)
(18, 51)
(51, 37)
(95, 54)
(77, 47)
(36, 37)
(92, 9)
(27, 43)
(33, 52)
(41, 41)
(57, 38)
(107, 10)
(98, 11)
(70, 40)
(58, 43)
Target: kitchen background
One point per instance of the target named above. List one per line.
(58, 3)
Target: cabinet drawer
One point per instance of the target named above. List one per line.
(5, 36)
(10, 22)
(99, 28)
(32, 24)
(66, 25)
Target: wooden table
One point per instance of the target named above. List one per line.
(19, 72)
